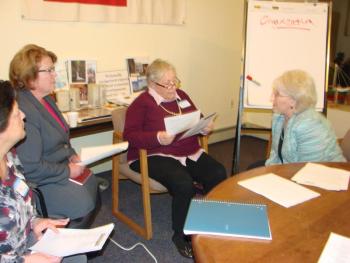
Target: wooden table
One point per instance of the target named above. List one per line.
(299, 233)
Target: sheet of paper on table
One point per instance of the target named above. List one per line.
(337, 250)
(278, 189)
(323, 176)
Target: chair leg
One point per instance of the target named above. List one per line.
(146, 231)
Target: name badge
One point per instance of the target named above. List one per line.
(184, 104)
(21, 187)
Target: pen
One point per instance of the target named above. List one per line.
(250, 78)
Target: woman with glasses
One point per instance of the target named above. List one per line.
(46, 153)
(174, 163)
(299, 133)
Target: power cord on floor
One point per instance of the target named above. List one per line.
(132, 247)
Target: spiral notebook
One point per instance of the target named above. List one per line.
(212, 217)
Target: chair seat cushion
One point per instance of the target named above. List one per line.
(136, 177)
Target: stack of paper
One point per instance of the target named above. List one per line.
(322, 176)
(278, 189)
(336, 250)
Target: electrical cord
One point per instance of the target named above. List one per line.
(132, 247)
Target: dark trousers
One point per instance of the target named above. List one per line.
(178, 179)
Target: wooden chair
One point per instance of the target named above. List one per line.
(121, 170)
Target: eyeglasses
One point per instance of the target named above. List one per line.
(49, 70)
(277, 94)
(176, 82)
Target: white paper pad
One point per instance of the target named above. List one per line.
(322, 176)
(90, 155)
(337, 250)
(278, 189)
(72, 241)
(180, 123)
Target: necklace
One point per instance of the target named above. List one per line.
(171, 112)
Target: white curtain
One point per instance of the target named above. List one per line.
(170, 12)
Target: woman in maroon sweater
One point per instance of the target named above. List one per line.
(172, 162)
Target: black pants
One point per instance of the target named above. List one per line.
(178, 179)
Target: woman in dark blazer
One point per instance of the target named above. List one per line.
(46, 153)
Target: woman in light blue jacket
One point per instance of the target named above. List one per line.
(299, 133)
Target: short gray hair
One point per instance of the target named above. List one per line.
(157, 68)
(298, 85)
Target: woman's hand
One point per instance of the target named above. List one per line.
(75, 159)
(206, 130)
(41, 224)
(75, 170)
(165, 138)
(41, 258)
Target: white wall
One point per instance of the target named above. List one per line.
(206, 51)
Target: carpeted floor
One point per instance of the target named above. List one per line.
(252, 149)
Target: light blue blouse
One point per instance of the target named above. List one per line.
(308, 137)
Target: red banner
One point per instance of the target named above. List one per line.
(94, 2)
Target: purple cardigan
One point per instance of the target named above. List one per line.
(144, 118)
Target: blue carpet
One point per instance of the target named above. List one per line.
(160, 245)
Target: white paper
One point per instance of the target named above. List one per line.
(337, 250)
(203, 122)
(90, 155)
(72, 241)
(278, 189)
(323, 176)
(179, 123)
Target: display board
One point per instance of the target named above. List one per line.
(282, 36)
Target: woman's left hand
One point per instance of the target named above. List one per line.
(75, 159)
(206, 130)
(41, 224)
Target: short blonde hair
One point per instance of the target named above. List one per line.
(155, 71)
(298, 85)
(24, 65)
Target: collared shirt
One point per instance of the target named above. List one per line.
(16, 213)
(182, 159)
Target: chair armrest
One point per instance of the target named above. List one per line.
(203, 141)
(117, 137)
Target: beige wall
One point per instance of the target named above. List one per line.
(206, 51)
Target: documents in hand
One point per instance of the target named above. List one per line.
(189, 122)
(196, 129)
(211, 217)
(278, 189)
(323, 176)
(72, 241)
(180, 123)
(337, 250)
(90, 155)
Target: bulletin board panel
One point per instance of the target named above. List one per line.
(282, 36)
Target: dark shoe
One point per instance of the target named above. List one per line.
(183, 246)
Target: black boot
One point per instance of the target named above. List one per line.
(183, 246)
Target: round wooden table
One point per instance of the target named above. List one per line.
(299, 233)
